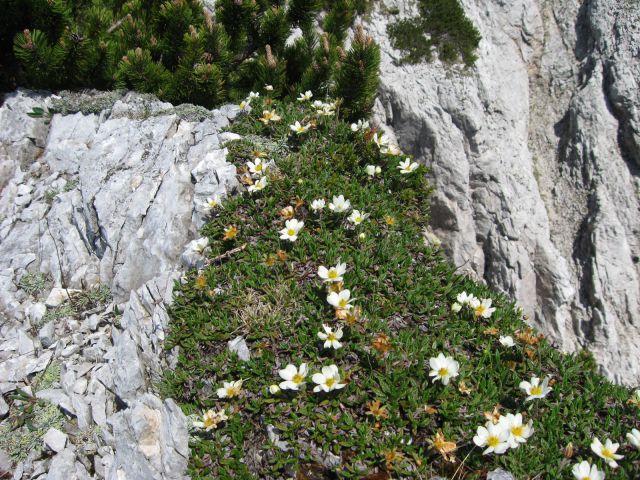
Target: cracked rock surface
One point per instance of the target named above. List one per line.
(100, 203)
(535, 158)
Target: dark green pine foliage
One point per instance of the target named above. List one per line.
(442, 27)
(182, 51)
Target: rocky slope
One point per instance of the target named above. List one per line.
(110, 196)
(535, 156)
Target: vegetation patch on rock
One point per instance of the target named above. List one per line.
(326, 337)
(442, 27)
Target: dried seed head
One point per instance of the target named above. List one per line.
(271, 61)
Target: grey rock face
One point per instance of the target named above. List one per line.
(110, 197)
(534, 155)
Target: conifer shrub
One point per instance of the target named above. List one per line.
(441, 27)
(183, 52)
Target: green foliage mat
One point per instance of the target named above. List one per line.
(267, 290)
(441, 27)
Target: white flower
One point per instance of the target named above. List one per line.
(257, 167)
(431, 239)
(357, 217)
(339, 204)
(341, 300)
(443, 368)
(318, 204)
(305, 96)
(291, 229)
(245, 105)
(456, 307)
(327, 110)
(200, 244)
(465, 298)
(534, 389)
(361, 125)
(211, 419)
(381, 140)
(518, 432)
(390, 150)
(585, 471)
(293, 377)
(253, 95)
(607, 451)
(274, 389)
(493, 436)
(483, 309)
(373, 170)
(507, 341)
(362, 236)
(296, 127)
(634, 438)
(230, 389)
(213, 202)
(257, 186)
(407, 166)
(268, 88)
(328, 380)
(333, 274)
(331, 338)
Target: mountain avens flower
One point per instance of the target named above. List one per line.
(259, 185)
(328, 380)
(211, 419)
(493, 436)
(331, 338)
(341, 300)
(373, 170)
(407, 166)
(507, 341)
(482, 309)
(230, 389)
(318, 204)
(357, 217)
(305, 97)
(269, 116)
(293, 377)
(607, 451)
(332, 274)
(299, 129)
(257, 167)
(518, 432)
(534, 389)
(291, 229)
(443, 368)
(585, 471)
(339, 204)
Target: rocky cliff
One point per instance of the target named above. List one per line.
(106, 198)
(535, 154)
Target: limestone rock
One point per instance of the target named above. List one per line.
(55, 440)
(150, 440)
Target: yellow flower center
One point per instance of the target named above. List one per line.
(343, 302)
(291, 232)
(517, 431)
(232, 391)
(480, 309)
(333, 274)
(329, 382)
(443, 372)
(493, 441)
(297, 378)
(331, 337)
(536, 390)
(607, 453)
(209, 422)
(258, 167)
